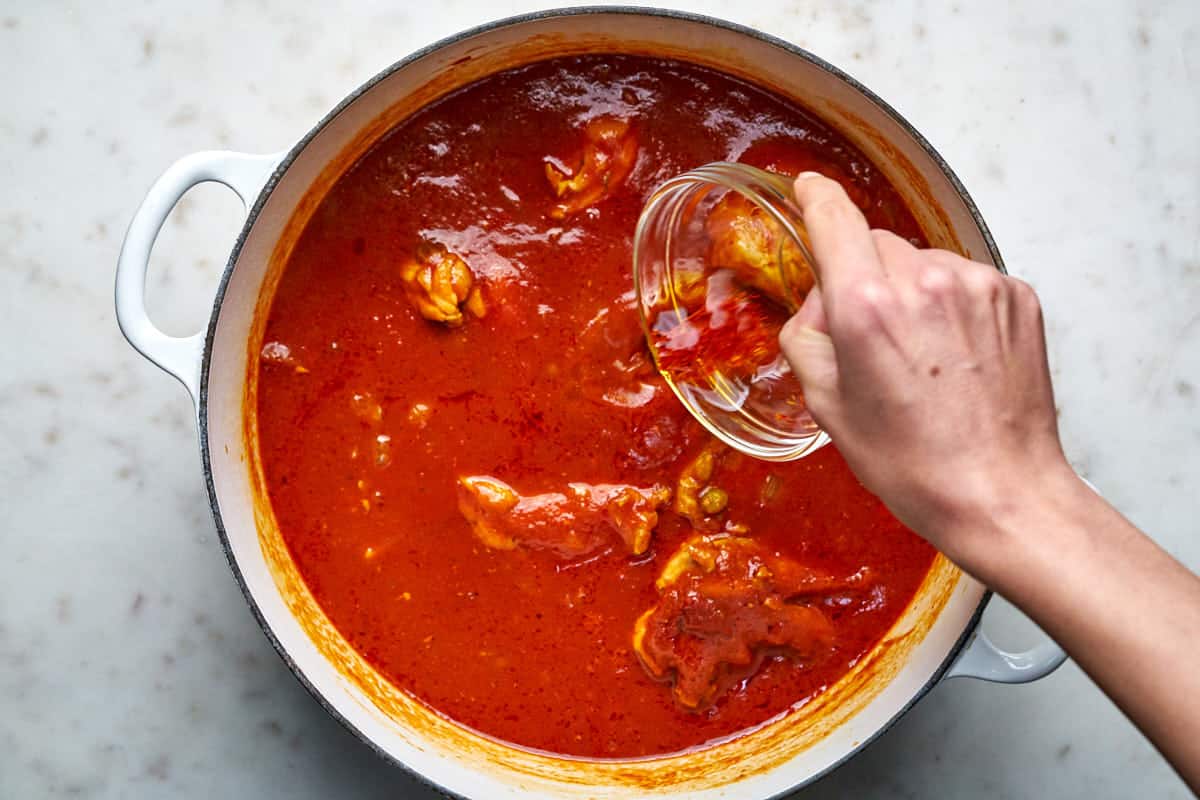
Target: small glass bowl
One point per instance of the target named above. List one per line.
(720, 261)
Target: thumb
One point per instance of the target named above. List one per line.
(809, 350)
(811, 313)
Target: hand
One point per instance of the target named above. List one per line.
(928, 371)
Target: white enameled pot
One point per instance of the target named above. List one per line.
(936, 638)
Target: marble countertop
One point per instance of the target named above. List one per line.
(129, 664)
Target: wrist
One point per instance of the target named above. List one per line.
(1015, 523)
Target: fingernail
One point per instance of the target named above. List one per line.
(807, 175)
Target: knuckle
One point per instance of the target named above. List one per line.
(937, 281)
(1025, 296)
(870, 302)
(1020, 290)
(871, 293)
(984, 282)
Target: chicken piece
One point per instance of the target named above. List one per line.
(573, 523)
(440, 285)
(606, 160)
(725, 604)
(633, 512)
(746, 239)
(696, 498)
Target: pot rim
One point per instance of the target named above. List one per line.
(296, 150)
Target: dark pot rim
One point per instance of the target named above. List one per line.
(298, 148)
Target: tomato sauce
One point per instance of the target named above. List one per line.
(372, 409)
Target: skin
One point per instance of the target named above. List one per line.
(929, 371)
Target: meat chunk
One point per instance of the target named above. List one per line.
(573, 523)
(607, 158)
(725, 604)
(440, 285)
(747, 240)
(696, 496)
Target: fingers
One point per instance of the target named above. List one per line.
(942, 285)
(841, 239)
(989, 294)
(972, 297)
(806, 345)
(892, 308)
(1025, 324)
(810, 353)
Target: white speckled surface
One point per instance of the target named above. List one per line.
(129, 664)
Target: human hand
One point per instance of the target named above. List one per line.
(929, 372)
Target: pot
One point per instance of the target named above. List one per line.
(935, 639)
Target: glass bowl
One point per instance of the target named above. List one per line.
(720, 261)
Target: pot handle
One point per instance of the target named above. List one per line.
(983, 660)
(179, 356)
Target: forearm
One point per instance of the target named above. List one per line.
(1127, 612)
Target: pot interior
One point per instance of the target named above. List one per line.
(779, 756)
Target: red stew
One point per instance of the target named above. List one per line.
(479, 475)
